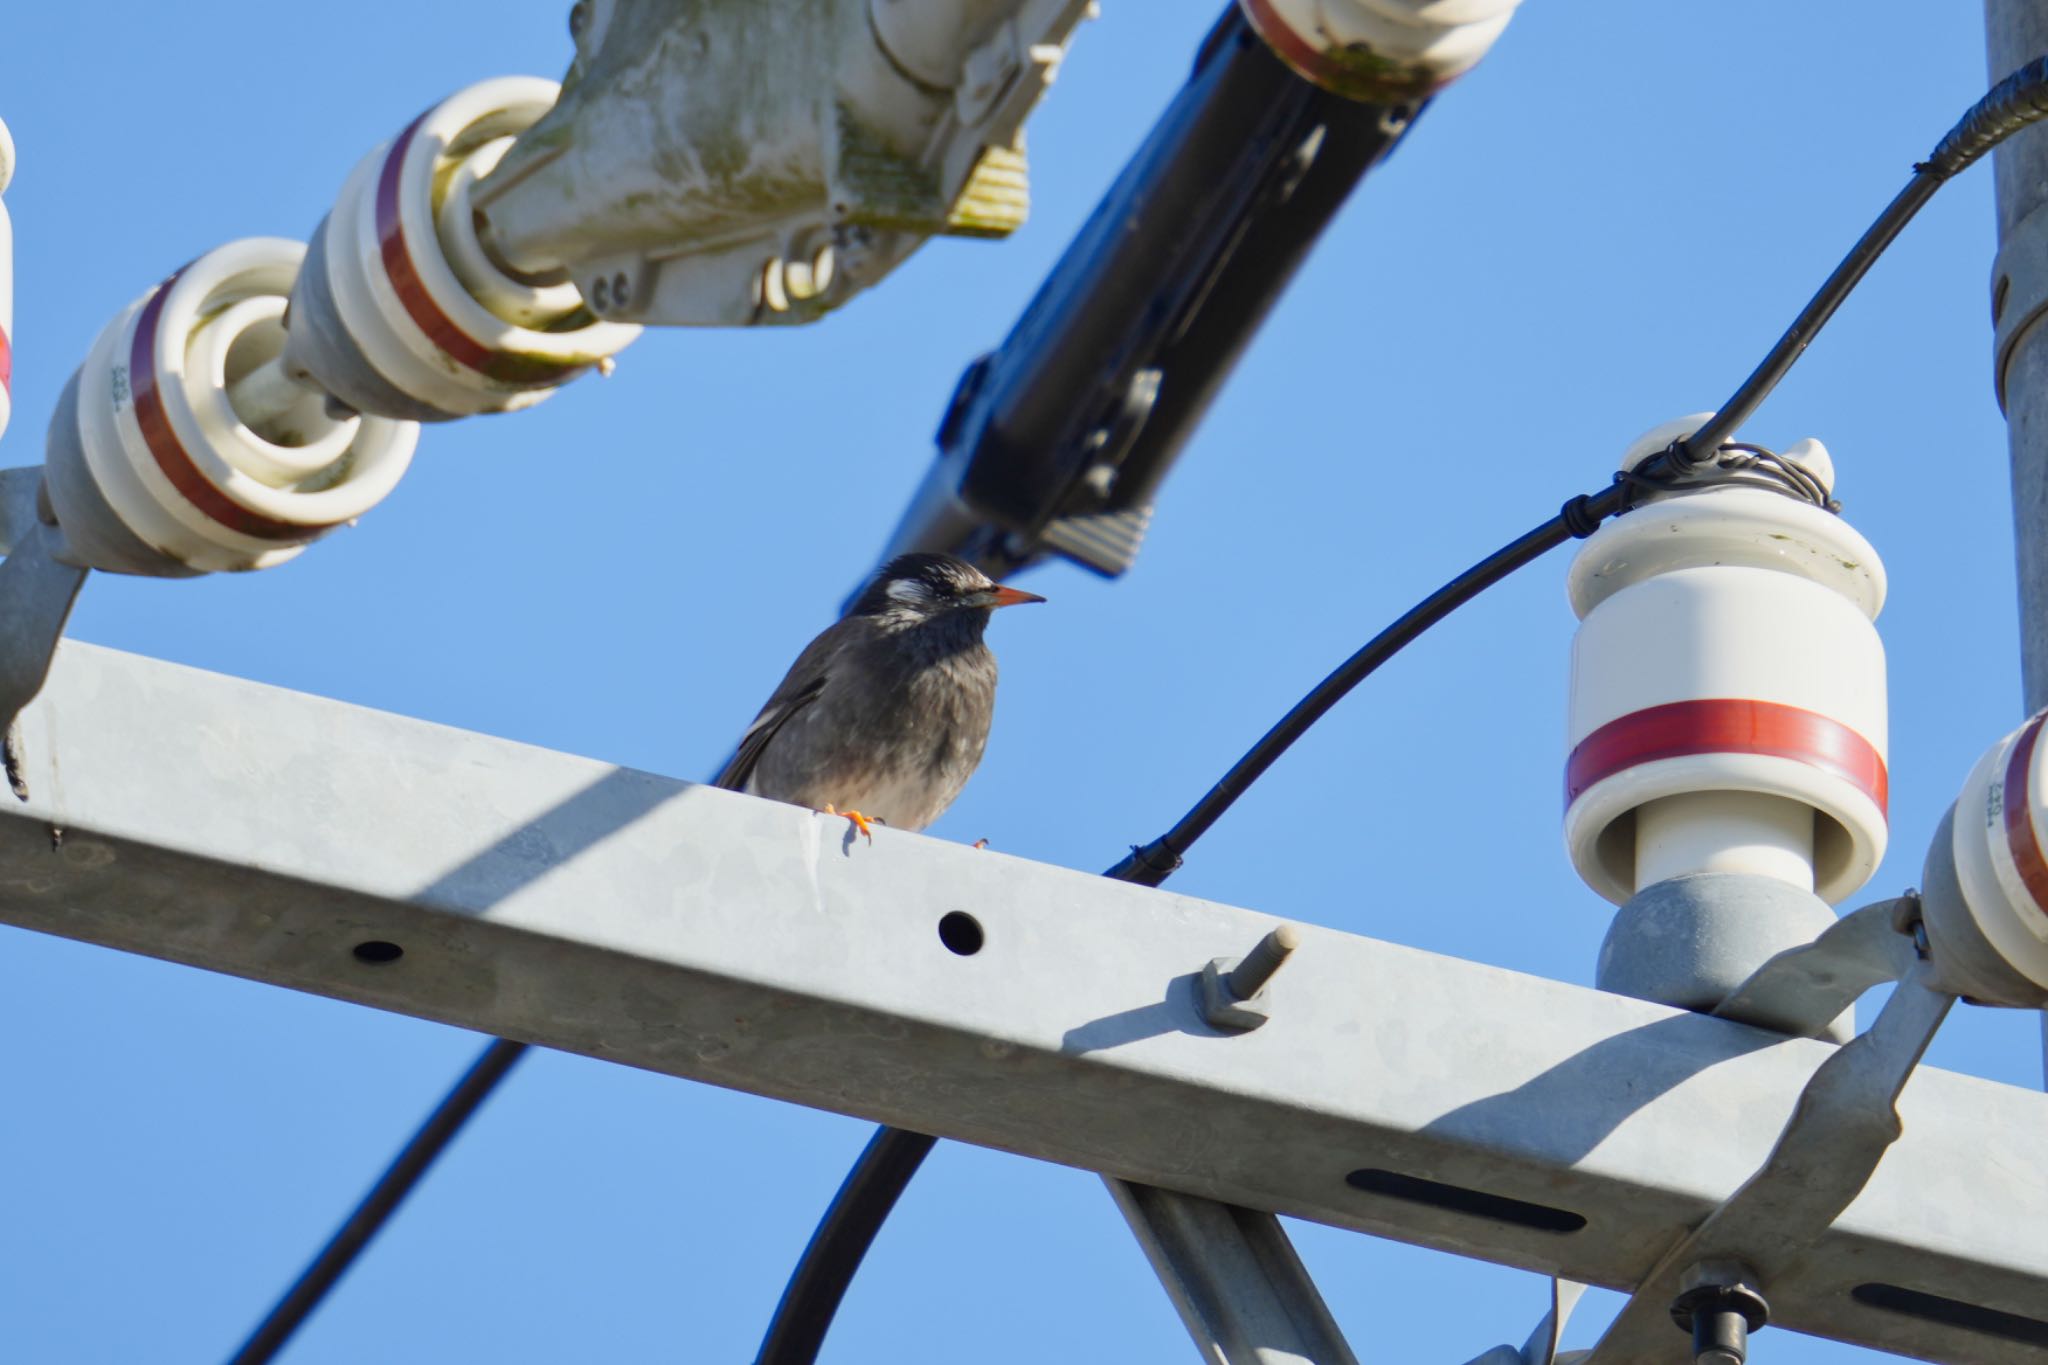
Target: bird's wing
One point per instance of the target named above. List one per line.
(800, 687)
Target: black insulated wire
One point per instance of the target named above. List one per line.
(1744, 402)
(382, 1201)
(2015, 102)
(2012, 104)
(848, 1228)
(1151, 864)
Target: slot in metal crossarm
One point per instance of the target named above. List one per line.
(669, 926)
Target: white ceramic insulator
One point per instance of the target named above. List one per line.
(174, 459)
(2000, 834)
(6, 284)
(267, 397)
(429, 309)
(1726, 647)
(1719, 831)
(1343, 43)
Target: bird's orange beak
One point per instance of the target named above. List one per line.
(1011, 597)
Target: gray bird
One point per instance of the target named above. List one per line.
(884, 716)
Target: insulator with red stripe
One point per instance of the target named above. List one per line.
(153, 466)
(401, 311)
(1728, 690)
(1984, 891)
(1380, 50)
(6, 284)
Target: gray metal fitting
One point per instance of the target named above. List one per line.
(1720, 1304)
(1233, 989)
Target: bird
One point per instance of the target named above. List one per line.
(883, 717)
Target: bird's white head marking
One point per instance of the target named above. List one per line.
(910, 592)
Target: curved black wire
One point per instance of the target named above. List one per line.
(380, 1203)
(844, 1234)
(2022, 98)
(1152, 863)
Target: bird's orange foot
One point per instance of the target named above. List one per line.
(860, 822)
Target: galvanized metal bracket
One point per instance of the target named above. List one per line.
(36, 595)
(1846, 1119)
(1234, 1277)
(1801, 990)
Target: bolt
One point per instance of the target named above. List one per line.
(1720, 1338)
(1907, 919)
(1250, 976)
(1906, 911)
(1720, 1308)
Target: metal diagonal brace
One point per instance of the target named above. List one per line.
(1234, 1278)
(1801, 990)
(1798, 992)
(36, 596)
(1846, 1119)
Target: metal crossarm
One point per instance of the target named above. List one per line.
(575, 905)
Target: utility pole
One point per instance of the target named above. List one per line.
(2016, 32)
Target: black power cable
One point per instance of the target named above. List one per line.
(380, 1203)
(841, 1241)
(843, 1237)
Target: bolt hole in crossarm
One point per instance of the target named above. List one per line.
(376, 952)
(961, 933)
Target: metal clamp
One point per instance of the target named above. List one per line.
(1803, 989)
(1846, 1118)
(2019, 290)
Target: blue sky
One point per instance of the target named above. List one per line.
(1602, 227)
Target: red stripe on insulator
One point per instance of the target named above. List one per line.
(2020, 836)
(503, 366)
(1727, 725)
(6, 363)
(170, 453)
